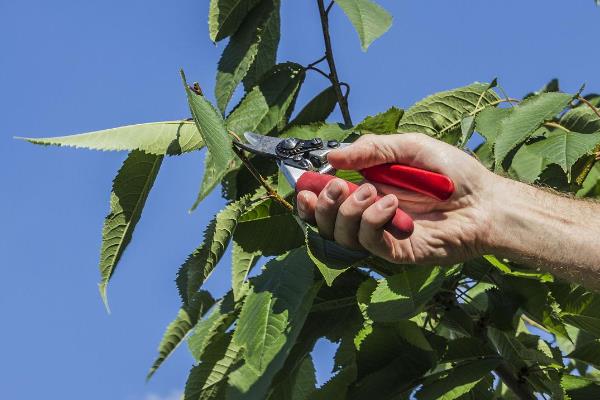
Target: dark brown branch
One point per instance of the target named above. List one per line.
(333, 76)
(312, 64)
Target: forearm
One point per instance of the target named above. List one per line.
(556, 233)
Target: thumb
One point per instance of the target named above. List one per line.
(370, 150)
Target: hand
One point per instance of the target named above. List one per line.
(445, 232)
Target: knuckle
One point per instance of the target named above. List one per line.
(323, 207)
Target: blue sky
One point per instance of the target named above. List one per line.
(71, 66)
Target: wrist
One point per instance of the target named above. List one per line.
(509, 206)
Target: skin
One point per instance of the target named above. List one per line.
(487, 214)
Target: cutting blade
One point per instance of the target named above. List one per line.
(260, 144)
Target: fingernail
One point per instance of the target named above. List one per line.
(387, 202)
(363, 193)
(334, 190)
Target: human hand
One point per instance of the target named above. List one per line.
(445, 231)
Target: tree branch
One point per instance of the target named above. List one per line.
(333, 76)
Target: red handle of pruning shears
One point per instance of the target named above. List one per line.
(414, 179)
(401, 176)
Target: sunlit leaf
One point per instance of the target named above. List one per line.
(168, 137)
(385, 122)
(368, 18)
(130, 190)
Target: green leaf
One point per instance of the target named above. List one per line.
(467, 349)
(127, 199)
(368, 18)
(208, 380)
(268, 227)
(270, 321)
(440, 114)
(276, 93)
(299, 385)
(385, 122)
(579, 388)
(225, 16)
(487, 123)
(270, 306)
(525, 119)
(267, 49)
(318, 109)
(212, 177)
(168, 137)
(403, 295)
(588, 353)
(241, 264)
(200, 264)
(212, 128)
(241, 52)
(186, 318)
(331, 258)
(456, 381)
(561, 148)
(581, 119)
(208, 329)
(323, 131)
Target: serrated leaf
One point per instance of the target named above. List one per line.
(208, 379)
(454, 382)
(268, 227)
(561, 148)
(440, 114)
(525, 119)
(385, 122)
(271, 305)
(241, 52)
(267, 50)
(218, 321)
(318, 109)
(212, 177)
(579, 388)
(159, 138)
(368, 18)
(467, 349)
(331, 258)
(299, 385)
(282, 292)
(211, 126)
(177, 330)
(200, 264)
(225, 16)
(241, 264)
(320, 130)
(130, 190)
(403, 295)
(581, 119)
(276, 93)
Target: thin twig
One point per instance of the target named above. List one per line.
(318, 70)
(270, 191)
(329, 7)
(590, 105)
(333, 76)
(312, 64)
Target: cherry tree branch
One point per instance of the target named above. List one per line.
(333, 76)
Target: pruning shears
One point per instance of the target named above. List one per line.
(304, 164)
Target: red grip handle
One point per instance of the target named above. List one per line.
(401, 226)
(417, 180)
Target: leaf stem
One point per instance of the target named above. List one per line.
(590, 105)
(333, 76)
(270, 191)
(556, 125)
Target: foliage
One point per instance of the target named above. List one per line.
(429, 332)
